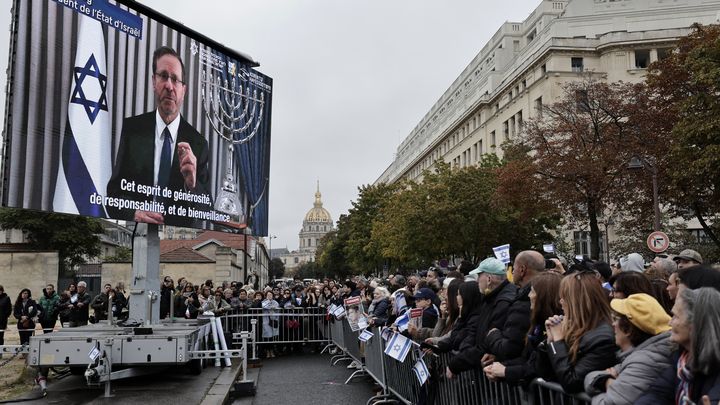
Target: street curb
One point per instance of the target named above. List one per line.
(253, 375)
(219, 392)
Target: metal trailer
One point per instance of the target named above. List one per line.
(108, 351)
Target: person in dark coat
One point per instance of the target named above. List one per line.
(582, 340)
(25, 310)
(544, 302)
(79, 306)
(100, 304)
(5, 312)
(498, 294)
(695, 371)
(379, 310)
(187, 304)
(166, 294)
(508, 341)
(462, 337)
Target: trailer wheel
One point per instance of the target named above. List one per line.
(77, 370)
(195, 366)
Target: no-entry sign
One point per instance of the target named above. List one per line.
(658, 242)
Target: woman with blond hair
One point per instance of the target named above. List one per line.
(582, 340)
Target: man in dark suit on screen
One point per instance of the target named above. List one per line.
(161, 150)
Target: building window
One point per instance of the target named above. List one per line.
(543, 69)
(538, 106)
(642, 58)
(576, 64)
(506, 131)
(516, 45)
(296, 260)
(492, 139)
(582, 243)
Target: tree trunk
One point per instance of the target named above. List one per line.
(594, 230)
(708, 231)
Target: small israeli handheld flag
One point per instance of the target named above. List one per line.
(403, 321)
(398, 347)
(421, 371)
(365, 335)
(502, 253)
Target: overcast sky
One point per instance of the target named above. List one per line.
(351, 80)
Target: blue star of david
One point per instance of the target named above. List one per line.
(92, 108)
(396, 347)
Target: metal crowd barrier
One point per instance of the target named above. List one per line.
(375, 368)
(401, 380)
(354, 349)
(295, 325)
(338, 339)
(550, 393)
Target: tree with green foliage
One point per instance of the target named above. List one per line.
(685, 86)
(74, 237)
(331, 254)
(276, 269)
(362, 250)
(462, 213)
(122, 254)
(309, 270)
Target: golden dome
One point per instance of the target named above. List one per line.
(317, 213)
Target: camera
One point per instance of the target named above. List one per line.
(549, 264)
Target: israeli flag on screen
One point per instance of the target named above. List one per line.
(421, 371)
(502, 253)
(398, 347)
(365, 335)
(85, 168)
(403, 321)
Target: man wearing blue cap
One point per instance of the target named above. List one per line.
(424, 298)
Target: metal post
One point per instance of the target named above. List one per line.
(656, 203)
(108, 359)
(172, 307)
(253, 325)
(110, 310)
(146, 274)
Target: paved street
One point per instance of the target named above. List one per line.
(171, 386)
(308, 378)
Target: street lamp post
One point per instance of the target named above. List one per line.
(270, 238)
(642, 163)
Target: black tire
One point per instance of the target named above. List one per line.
(79, 370)
(195, 366)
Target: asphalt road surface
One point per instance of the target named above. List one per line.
(167, 386)
(309, 379)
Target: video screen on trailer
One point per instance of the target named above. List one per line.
(115, 111)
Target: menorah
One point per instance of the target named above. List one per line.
(227, 106)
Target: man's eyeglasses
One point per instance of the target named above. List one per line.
(164, 77)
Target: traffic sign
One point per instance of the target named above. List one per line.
(658, 242)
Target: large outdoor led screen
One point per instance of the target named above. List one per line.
(115, 111)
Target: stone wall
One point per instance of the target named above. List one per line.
(196, 273)
(33, 270)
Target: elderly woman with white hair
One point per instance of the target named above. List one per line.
(378, 312)
(694, 377)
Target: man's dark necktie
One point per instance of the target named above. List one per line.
(165, 159)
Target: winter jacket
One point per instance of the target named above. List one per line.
(6, 310)
(664, 389)
(492, 314)
(508, 341)
(80, 313)
(166, 294)
(462, 343)
(379, 311)
(217, 308)
(596, 351)
(48, 306)
(29, 309)
(271, 319)
(639, 368)
(185, 309)
(521, 370)
(100, 307)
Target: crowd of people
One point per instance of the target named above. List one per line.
(626, 333)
